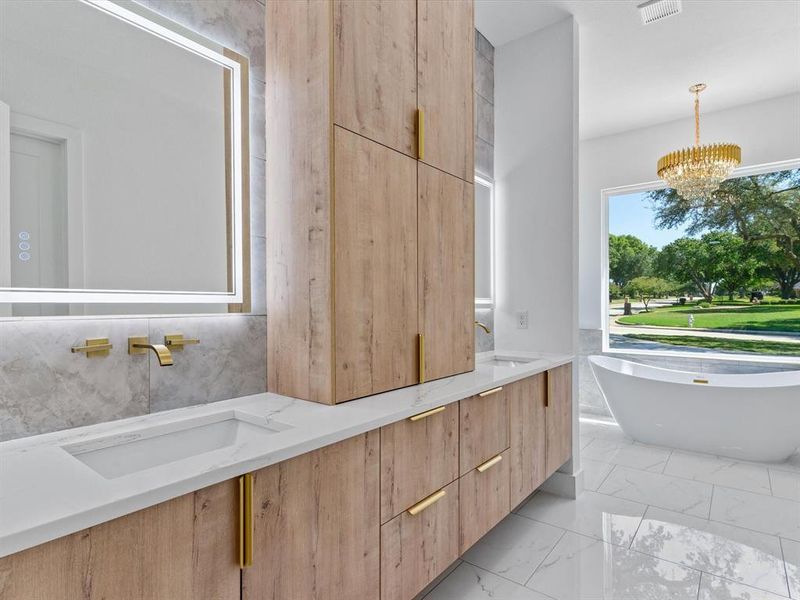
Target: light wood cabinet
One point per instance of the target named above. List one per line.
(357, 268)
(375, 70)
(419, 455)
(483, 429)
(559, 417)
(416, 548)
(316, 530)
(181, 549)
(484, 499)
(376, 268)
(527, 405)
(446, 35)
(446, 272)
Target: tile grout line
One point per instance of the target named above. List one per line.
(785, 566)
(638, 527)
(527, 581)
(503, 577)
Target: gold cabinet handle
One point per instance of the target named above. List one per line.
(490, 463)
(429, 501)
(420, 134)
(176, 341)
(421, 341)
(246, 520)
(427, 413)
(93, 348)
(699, 380)
(491, 391)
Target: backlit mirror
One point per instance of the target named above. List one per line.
(484, 242)
(123, 160)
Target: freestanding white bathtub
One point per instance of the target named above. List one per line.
(750, 417)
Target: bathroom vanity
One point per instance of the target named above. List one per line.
(288, 499)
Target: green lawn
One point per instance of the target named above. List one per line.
(758, 317)
(751, 346)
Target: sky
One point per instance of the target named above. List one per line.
(632, 214)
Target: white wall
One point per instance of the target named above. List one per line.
(536, 100)
(767, 131)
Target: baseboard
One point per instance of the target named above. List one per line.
(568, 485)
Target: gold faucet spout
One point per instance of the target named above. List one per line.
(483, 326)
(140, 345)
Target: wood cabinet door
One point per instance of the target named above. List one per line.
(419, 455)
(559, 417)
(316, 529)
(375, 70)
(528, 435)
(483, 429)
(375, 269)
(483, 500)
(446, 264)
(182, 549)
(415, 549)
(446, 38)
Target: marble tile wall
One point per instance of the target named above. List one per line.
(484, 153)
(591, 342)
(43, 387)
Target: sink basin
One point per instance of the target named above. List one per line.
(507, 361)
(124, 454)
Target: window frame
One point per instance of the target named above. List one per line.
(605, 194)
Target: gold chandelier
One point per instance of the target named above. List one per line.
(696, 172)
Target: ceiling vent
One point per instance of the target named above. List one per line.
(656, 10)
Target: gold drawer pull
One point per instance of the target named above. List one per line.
(423, 504)
(246, 520)
(421, 344)
(420, 134)
(490, 463)
(427, 413)
(93, 348)
(490, 392)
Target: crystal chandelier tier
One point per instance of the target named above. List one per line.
(696, 172)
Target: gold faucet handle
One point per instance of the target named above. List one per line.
(94, 348)
(176, 341)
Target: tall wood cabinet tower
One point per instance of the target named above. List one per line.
(370, 217)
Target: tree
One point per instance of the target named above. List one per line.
(628, 257)
(647, 288)
(776, 266)
(738, 262)
(759, 208)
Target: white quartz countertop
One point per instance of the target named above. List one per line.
(47, 493)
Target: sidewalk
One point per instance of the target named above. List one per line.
(765, 336)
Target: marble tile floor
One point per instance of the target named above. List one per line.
(653, 523)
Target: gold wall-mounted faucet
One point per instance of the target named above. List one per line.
(483, 326)
(141, 344)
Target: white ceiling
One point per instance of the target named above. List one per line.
(633, 76)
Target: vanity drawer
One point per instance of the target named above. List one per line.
(419, 455)
(416, 548)
(483, 428)
(484, 499)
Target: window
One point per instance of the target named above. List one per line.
(719, 276)
(484, 242)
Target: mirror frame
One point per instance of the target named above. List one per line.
(237, 176)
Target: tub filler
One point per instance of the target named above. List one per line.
(748, 416)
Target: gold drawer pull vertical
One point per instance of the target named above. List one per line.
(420, 134)
(421, 340)
(491, 391)
(246, 520)
(427, 413)
(490, 463)
(429, 501)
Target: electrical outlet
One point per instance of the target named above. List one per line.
(522, 319)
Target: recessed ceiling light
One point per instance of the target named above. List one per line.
(655, 10)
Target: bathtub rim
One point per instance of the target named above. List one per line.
(720, 380)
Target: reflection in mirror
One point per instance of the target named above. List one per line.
(122, 158)
(484, 242)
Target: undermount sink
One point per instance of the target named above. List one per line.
(124, 454)
(507, 361)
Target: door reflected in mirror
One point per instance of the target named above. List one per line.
(123, 156)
